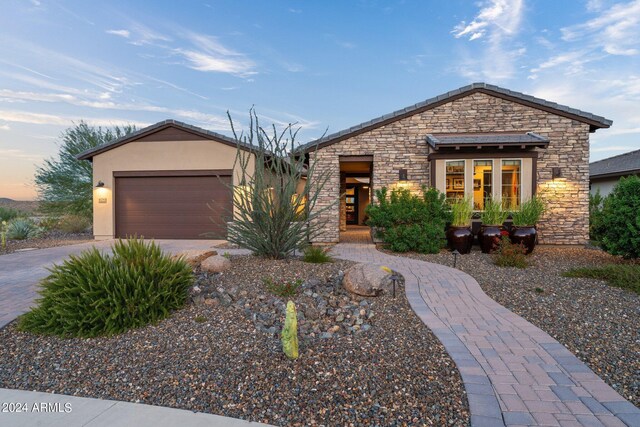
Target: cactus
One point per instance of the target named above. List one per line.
(290, 332)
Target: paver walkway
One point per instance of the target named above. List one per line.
(513, 372)
(20, 272)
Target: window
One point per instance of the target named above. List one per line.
(455, 179)
(511, 182)
(482, 183)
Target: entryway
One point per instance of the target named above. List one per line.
(355, 191)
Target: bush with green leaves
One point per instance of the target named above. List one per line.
(493, 213)
(7, 213)
(596, 224)
(529, 213)
(461, 212)
(316, 255)
(95, 294)
(510, 254)
(74, 224)
(283, 289)
(22, 229)
(621, 219)
(410, 222)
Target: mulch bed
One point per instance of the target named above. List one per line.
(218, 355)
(599, 323)
(49, 240)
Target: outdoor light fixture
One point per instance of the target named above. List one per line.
(455, 257)
(556, 173)
(100, 184)
(403, 175)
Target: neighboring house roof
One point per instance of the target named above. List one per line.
(623, 164)
(149, 130)
(456, 141)
(595, 122)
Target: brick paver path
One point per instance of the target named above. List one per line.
(513, 372)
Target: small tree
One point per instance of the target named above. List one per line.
(621, 219)
(274, 199)
(64, 183)
(596, 226)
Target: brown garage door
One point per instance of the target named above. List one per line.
(172, 207)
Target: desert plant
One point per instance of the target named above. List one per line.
(274, 205)
(49, 223)
(316, 254)
(7, 213)
(73, 224)
(64, 183)
(529, 212)
(621, 217)
(3, 234)
(510, 254)
(596, 224)
(22, 228)
(626, 276)
(493, 213)
(95, 294)
(289, 334)
(461, 212)
(409, 222)
(282, 289)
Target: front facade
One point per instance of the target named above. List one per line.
(479, 141)
(605, 174)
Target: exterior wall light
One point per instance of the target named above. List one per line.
(402, 176)
(100, 184)
(556, 173)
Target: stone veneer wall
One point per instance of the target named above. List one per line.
(402, 144)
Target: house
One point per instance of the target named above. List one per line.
(478, 141)
(605, 174)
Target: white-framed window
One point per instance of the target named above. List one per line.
(511, 179)
(455, 179)
(482, 183)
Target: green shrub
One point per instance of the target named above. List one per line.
(626, 276)
(7, 214)
(493, 213)
(461, 212)
(74, 224)
(94, 294)
(621, 219)
(49, 223)
(284, 289)
(509, 254)
(22, 228)
(596, 224)
(529, 212)
(316, 255)
(409, 222)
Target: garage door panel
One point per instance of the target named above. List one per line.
(172, 207)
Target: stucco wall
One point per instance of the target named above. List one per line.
(153, 156)
(401, 144)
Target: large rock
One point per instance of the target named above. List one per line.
(366, 280)
(215, 264)
(194, 257)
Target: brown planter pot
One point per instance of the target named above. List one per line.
(460, 238)
(524, 234)
(489, 237)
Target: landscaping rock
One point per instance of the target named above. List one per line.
(194, 257)
(215, 264)
(366, 280)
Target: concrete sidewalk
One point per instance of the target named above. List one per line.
(53, 410)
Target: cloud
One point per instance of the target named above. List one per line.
(122, 33)
(12, 153)
(613, 148)
(5, 127)
(495, 17)
(49, 119)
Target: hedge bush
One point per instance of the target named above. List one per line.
(74, 224)
(96, 294)
(410, 222)
(621, 219)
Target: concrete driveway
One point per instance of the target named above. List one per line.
(20, 272)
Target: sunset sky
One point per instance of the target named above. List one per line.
(322, 64)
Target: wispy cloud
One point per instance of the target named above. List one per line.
(122, 33)
(12, 153)
(496, 17)
(5, 127)
(50, 119)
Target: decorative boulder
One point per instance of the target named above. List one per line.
(194, 257)
(215, 264)
(366, 280)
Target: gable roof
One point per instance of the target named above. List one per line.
(199, 133)
(595, 122)
(498, 139)
(622, 164)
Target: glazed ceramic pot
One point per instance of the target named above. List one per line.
(460, 238)
(489, 237)
(524, 234)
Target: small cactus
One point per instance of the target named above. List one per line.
(290, 332)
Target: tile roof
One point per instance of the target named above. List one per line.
(451, 140)
(617, 165)
(594, 120)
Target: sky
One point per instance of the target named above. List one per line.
(324, 65)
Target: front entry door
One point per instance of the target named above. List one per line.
(352, 205)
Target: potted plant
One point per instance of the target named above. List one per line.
(459, 235)
(524, 223)
(492, 229)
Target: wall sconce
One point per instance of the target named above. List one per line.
(402, 176)
(100, 184)
(556, 173)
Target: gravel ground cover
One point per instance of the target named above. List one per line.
(48, 240)
(220, 355)
(599, 323)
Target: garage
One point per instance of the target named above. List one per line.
(179, 205)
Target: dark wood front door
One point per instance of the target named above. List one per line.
(172, 207)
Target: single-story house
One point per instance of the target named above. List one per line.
(605, 174)
(478, 141)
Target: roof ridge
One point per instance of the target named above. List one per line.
(614, 157)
